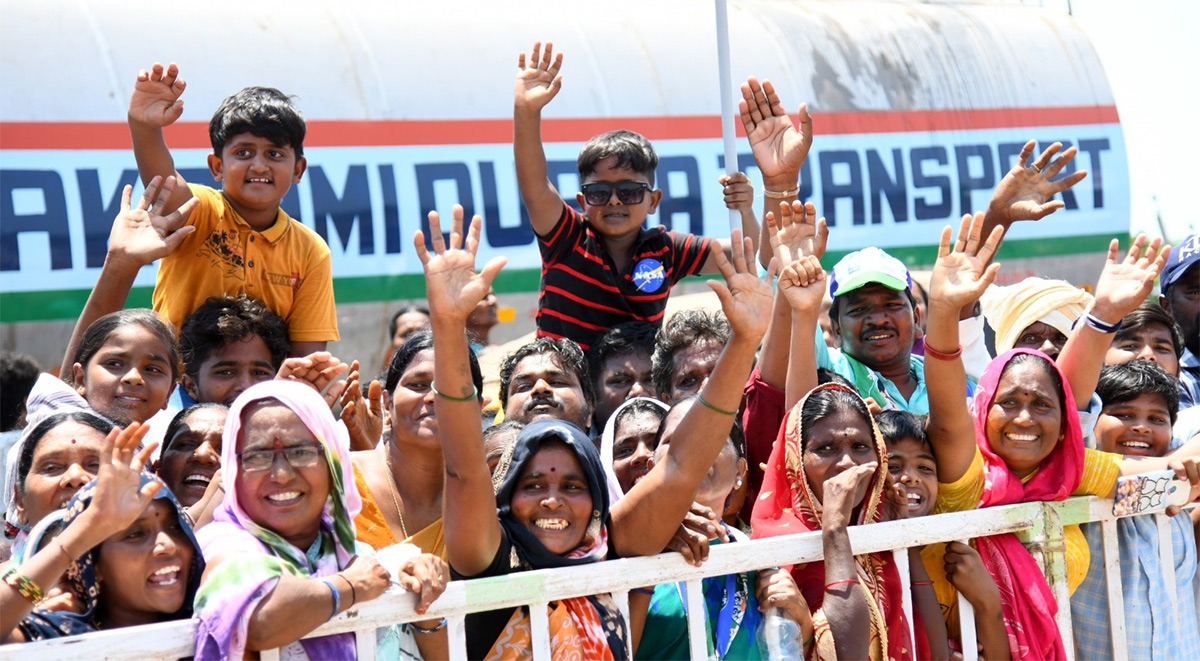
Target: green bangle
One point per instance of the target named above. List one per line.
(474, 394)
(709, 405)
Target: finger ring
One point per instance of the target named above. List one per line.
(1036, 168)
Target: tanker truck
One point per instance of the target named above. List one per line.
(919, 109)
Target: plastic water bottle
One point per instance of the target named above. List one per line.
(779, 637)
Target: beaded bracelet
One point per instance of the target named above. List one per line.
(23, 585)
(781, 194)
(419, 629)
(710, 406)
(474, 394)
(845, 581)
(337, 598)
(942, 355)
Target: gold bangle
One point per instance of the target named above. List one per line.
(781, 194)
(474, 394)
(710, 406)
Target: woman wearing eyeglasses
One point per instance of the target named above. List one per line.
(281, 553)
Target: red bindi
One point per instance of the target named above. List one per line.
(72, 441)
(278, 443)
(552, 469)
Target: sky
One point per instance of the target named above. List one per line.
(1150, 50)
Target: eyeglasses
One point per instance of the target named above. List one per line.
(599, 193)
(298, 456)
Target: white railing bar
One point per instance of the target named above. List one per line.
(900, 557)
(365, 643)
(696, 615)
(269, 655)
(966, 625)
(176, 638)
(456, 633)
(1166, 557)
(1112, 579)
(539, 630)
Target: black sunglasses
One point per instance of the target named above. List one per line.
(599, 193)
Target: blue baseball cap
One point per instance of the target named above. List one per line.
(1183, 257)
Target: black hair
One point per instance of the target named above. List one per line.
(98, 333)
(623, 339)
(415, 344)
(684, 329)
(262, 111)
(34, 436)
(829, 401)
(223, 320)
(825, 375)
(632, 151)
(567, 355)
(1048, 368)
(18, 373)
(403, 311)
(177, 422)
(837, 302)
(895, 426)
(639, 406)
(1150, 312)
(1127, 381)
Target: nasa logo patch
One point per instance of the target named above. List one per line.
(648, 275)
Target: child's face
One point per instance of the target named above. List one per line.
(255, 173)
(911, 463)
(614, 219)
(230, 370)
(1153, 342)
(1139, 427)
(130, 377)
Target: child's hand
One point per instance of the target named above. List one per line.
(803, 284)
(363, 420)
(745, 300)
(739, 193)
(797, 231)
(539, 82)
(1123, 285)
(965, 570)
(779, 149)
(960, 276)
(140, 236)
(452, 286)
(1024, 193)
(155, 99)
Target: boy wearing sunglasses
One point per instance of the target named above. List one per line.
(602, 268)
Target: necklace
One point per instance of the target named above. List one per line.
(395, 494)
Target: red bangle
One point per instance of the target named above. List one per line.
(841, 582)
(920, 583)
(939, 355)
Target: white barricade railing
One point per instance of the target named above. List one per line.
(1040, 526)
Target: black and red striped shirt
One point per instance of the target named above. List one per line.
(582, 294)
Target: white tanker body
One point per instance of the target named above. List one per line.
(918, 110)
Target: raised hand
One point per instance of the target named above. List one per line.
(155, 100)
(539, 81)
(1124, 284)
(318, 370)
(452, 286)
(779, 148)
(1025, 192)
(119, 499)
(364, 419)
(844, 491)
(960, 276)
(797, 231)
(745, 300)
(738, 191)
(803, 284)
(141, 235)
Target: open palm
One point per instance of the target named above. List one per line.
(452, 286)
(778, 147)
(118, 496)
(961, 275)
(155, 99)
(539, 82)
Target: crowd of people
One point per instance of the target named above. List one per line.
(209, 459)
